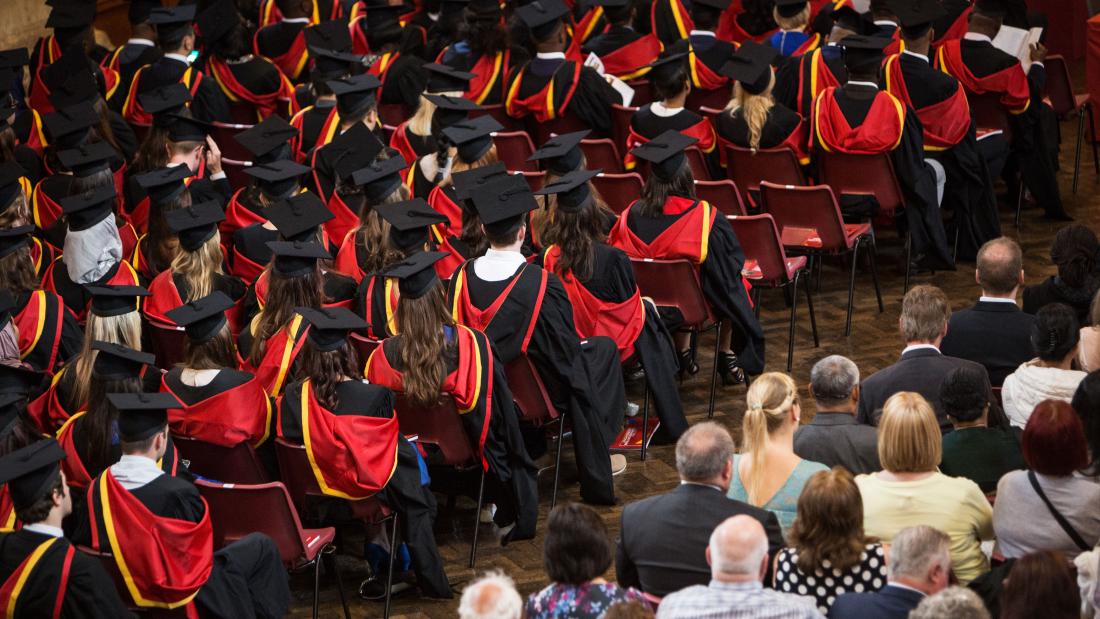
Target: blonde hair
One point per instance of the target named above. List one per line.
(909, 439)
(421, 121)
(754, 108)
(768, 403)
(488, 159)
(795, 22)
(123, 329)
(199, 267)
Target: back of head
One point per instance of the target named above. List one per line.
(1074, 252)
(1054, 440)
(829, 522)
(628, 610)
(951, 603)
(909, 439)
(1086, 403)
(493, 596)
(832, 381)
(577, 548)
(924, 314)
(914, 551)
(1000, 263)
(1056, 332)
(737, 548)
(1041, 584)
(703, 452)
(768, 405)
(963, 393)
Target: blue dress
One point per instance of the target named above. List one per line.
(788, 42)
(784, 504)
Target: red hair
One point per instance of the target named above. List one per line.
(1054, 440)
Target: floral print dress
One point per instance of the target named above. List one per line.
(587, 601)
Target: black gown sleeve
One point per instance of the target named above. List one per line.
(785, 91)
(209, 103)
(922, 210)
(72, 337)
(124, 135)
(720, 277)
(592, 101)
(29, 161)
(90, 593)
(404, 82)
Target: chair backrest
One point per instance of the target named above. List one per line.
(528, 391)
(1059, 86)
(643, 92)
(392, 114)
(232, 465)
(110, 567)
(234, 171)
(388, 130)
(496, 111)
(864, 175)
(716, 98)
(239, 509)
(140, 131)
(167, 341)
(987, 111)
(698, 163)
(673, 283)
(513, 148)
(619, 191)
(711, 114)
(438, 425)
(765, 259)
(602, 154)
(620, 125)
(722, 195)
(364, 346)
(535, 180)
(296, 473)
(224, 135)
(775, 165)
(243, 113)
(811, 210)
(566, 123)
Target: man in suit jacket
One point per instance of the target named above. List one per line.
(995, 332)
(662, 547)
(834, 437)
(922, 367)
(920, 563)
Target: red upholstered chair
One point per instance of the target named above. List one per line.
(619, 191)
(722, 195)
(990, 116)
(387, 131)
(768, 266)
(140, 131)
(535, 180)
(535, 407)
(110, 567)
(620, 125)
(225, 136)
(363, 345)
(234, 171)
(496, 111)
(711, 114)
(231, 465)
(167, 342)
(1059, 89)
(541, 132)
(698, 163)
(643, 92)
(393, 114)
(809, 222)
(513, 148)
(716, 99)
(675, 283)
(602, 154)
(237, 510)
(243, 113)
(747, 169)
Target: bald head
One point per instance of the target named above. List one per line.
(1000, 269)
(704, 453)
(738, 550)
(492, 596)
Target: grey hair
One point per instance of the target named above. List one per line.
(747, 563)
(951, 603)
(703, 452)
(916, 550)
(833, 379)
(493, 596)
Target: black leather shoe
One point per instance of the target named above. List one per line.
(374, 588)
(728, 368)
(688, 367)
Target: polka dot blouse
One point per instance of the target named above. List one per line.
(826, 583)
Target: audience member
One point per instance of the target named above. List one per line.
(576, 554)
(767, 473)
(951, 603)
(1048, 507)
(1086, 403)
(629, 610)
(834, 437)
(994, 332)
(656, 552)
(910, 491)
(493, 596)
(1041, 585)
(920, 565)
(922, 367)
(979, 449)
(738, 558)
(1074, 251)
(829, 554)
(1088, 353)
(1088, 580)
(1050, 376)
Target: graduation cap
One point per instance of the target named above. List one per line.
(183, 127)
(409, 221)
(616, 10)
(993, 9)
(380, 178)
(330, 64)
(384, 17)
(863, 53)
(329, 327)
(140, 10)
(10, 183)
(714, 5)
(30, 472)
(354, 93)
(88, 208)
(543, 17)
(667, 64)
(562, 153)
(203, 318)
(298, 217)
(473, 136)
(416, 274)
(165, 102)
(443, 78)
(14, 58)
(218, 20)
(172, 22)
(7, 304)
(13, 239)
(329, 35)
(297, 257)
(484, 9)
(109, 300)
(196, 224)
(665, 153)
(357, 148)
(502, 204)
(847, 18)
(269, 140)
(277, 179)
(18, 379)
(164, 184)
(72, 16)
(69, 125)
(88, 158)
(141, 415)
(466, 181)
(115, 361)
(450, 109)
(751, 66)
(572, 190)
(790, 8)
(71, 80)
(916, 16)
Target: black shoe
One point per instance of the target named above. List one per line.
(374, 588)
(728, 368)
(633, 372)
(688, 366)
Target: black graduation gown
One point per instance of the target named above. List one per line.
(404, 81)
(313, 120)
(584, 381)
(777, 129)
(89, 592)
(649, 125)
(613, 281)
(467, 61)
(591, 101)
(131, 57)
(338, 288)
(71, 336)
(208, 103)
(323, 179)
(276, 39)
(793, 78)
(607, 42)
(251, 242)
(711, 51)
(969, 188)
(413, 502)
(30, 162)
(124, 136)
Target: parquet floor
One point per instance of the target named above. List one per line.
(874, 344)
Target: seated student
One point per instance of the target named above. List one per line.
(176, 39)
(484, 51)
(270, 12)
(801, 79)
(366, 249)
(793, 18)
(706, 52)
(551, 85)
(664, 224)
(440, 105)
(220, 404)
(356, 105)
(283, 42)
(432, 356)
(246, 80)
(166, 190)
(272, 182)
(330, 52)
(626, 54)
(949, 138)
(605, 299)
(114, 317)
(72, 28)
(158, 528)
(464, 146)
(983, 447)
(356, 149)
(354, 439)
(19, 384)
(860, 118)
(670, 80)
(885, 24)
(559, 156)
(19, 153)
(399, 72)
(43, 574)
(525, 311)
(140, 49)
(752, 119)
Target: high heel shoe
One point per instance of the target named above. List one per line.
(729, 369)
(688, 367)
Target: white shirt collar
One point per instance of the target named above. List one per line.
(497, 265)
(44, 529)
(134, 472)
(663, 111)
(901, 586)
(859, 83)
(140, 42)
(180, 57)
(921, 56)
(886, 22)
(985, 299)
(550, 55)
(919, 347)
(975, 36)
(684, 482)
(295, 20)
(701, 33)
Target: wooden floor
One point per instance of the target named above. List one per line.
(874, 344)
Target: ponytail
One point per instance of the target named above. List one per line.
(768, 401)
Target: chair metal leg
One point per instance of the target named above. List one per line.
(872, 260)
(1019, 204)
(316, 584)
(557, 461)
(852, 286)
(714, 369)
(790, 328)
(645, 420)
(813, 317)
(477, 519)
(389, 572)
(1077, 151)
(908, 261)
(1092, 139)
(329, 557)
(755, 296)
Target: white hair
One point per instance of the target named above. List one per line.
(747, 563)
(951, 603)
(493, 596)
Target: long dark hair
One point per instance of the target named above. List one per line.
(576, 235)
(99, 422)
(216, 353)
(161, 244)
(327, 369)
(485, 35)
(420, 322)
(1086, 403)
(284, 293)
(657, 191)
(373, 233)
(153, 151)
(17, 273)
